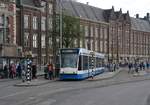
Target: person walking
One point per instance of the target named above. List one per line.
(23, 73)
(19, 70)
(130, 67)
(46, 71)
(50, 71)
(12, 71)
(6, 71)
(34, 71)
(136, 65)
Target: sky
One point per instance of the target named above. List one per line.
(140, 7)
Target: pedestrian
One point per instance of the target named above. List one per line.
(114, 66)
(141, 65)
(6, 71)
(129, 67)
(19, 70)
(23, 73)
(136, 68)
(34, 71)
(50, 71)
(46, 71)
(12, 71)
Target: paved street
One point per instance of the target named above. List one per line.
(72, 92)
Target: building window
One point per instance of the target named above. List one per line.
(91, 31)
(82, 30)
(101, 46)
(96, 32)
(1, 30)
(87, 44)
(75, 43)
(43, 41)
(26, 39)
(105, 33)
(50, 9)
(35, 41)
(101, 33)
(96, 45)
(92, 45)
(81, 43)
(50, 23)
(105, 46)
(26, 21)
(35, 23)
(50, 42)
(43, 23)
(1, 36)
(1, 20)
(86, 31)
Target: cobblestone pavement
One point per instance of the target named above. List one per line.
(124, 77)
(120, 77)
(35, 94)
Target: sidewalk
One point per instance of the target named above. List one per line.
(8, 79)
(106, 75)
(141, 73)
(103, 76)
(39, 73)
(35, 82)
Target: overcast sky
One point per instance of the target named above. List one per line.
(134, 6)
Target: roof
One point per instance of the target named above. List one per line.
(92, 13)
(28, 2)
(139, 24)
(82, 10)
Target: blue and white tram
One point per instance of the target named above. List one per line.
(79, 63)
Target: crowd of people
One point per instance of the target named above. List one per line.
(17, 70)
(111, 67)
(136, 66)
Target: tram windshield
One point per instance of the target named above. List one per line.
(69, 60)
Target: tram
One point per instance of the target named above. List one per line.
(80, 63)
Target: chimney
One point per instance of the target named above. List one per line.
(87, 3)
(137, 16)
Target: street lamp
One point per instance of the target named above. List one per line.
(60, 24)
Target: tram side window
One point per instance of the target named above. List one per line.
(80, 63)
(98, 62)
(85, 62)
(101, 62)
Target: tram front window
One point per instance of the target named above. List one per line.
(69, 60)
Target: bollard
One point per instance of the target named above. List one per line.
(28, 74)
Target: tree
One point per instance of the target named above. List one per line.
(70, 30)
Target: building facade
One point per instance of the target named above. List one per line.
(114, 33)
(33, 29)
(8, 47)
(107, 31)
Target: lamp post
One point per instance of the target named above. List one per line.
(60, 23)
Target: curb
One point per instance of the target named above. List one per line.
(34, 84)
(8, 80)
(105, 78)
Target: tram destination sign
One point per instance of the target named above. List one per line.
(69, 51)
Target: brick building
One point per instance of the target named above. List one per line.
(8, 47)
(112, 32)
(34, 29)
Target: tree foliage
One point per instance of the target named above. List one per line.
(70, 30)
